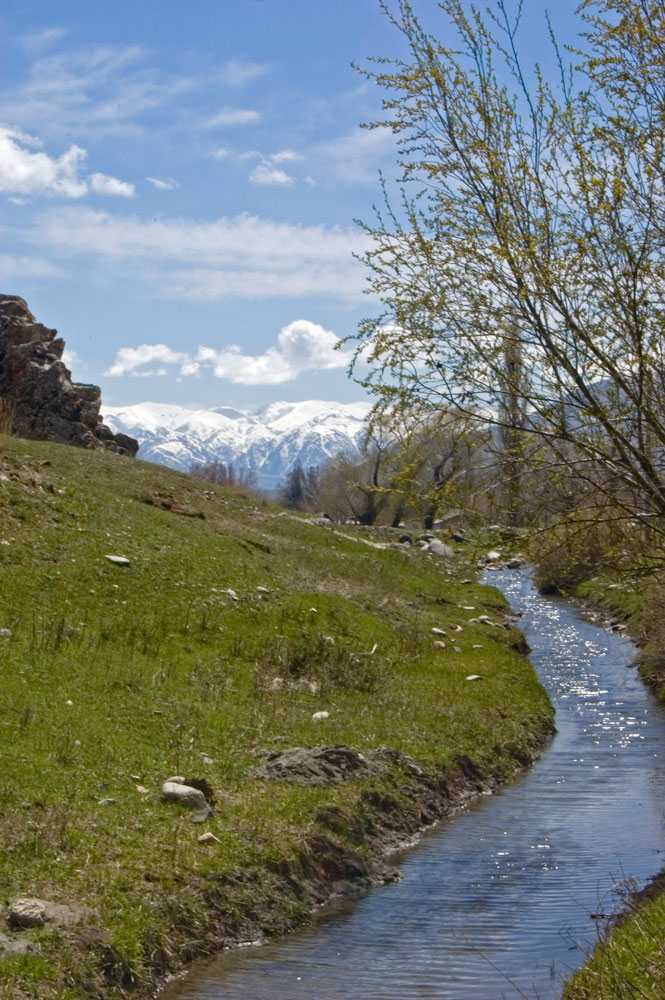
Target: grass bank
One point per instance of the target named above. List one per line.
(228, 631)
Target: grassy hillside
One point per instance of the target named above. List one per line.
(233, 625)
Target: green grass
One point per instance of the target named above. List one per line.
(115, 677)
(629, 964)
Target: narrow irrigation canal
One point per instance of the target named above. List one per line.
(498, 902)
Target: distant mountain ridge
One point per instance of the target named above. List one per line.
(270, 441)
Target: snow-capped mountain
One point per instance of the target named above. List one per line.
(270, 441)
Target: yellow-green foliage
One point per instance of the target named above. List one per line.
(115, 677)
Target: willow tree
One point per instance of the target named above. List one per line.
(521, 265)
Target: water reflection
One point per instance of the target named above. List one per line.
(498, 901)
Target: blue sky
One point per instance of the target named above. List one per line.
(179, 183)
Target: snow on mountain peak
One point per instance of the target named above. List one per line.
(270, 442)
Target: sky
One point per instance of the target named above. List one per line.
(179, 184)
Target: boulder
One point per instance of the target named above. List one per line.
(34, 380)
(438, 548)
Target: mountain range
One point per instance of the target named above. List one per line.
(270, 441)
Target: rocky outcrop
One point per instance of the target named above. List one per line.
(38, 386)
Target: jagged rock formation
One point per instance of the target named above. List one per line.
(37, 384)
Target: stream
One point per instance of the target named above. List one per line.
(502, 900)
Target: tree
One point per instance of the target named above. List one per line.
(522, 270)
(224, 474)
(300, 488)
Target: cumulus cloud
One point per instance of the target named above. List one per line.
(133, 361)
(229, 116)
(26, 170)
(243, 256)
(301, 346)
(266, 175)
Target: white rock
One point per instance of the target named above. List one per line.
(474, 677)
(174, 790)
(439, 631)
(5, 633)
(440, 644)
(208, 838)
(493, 555)
(321, 715)
(118, 560)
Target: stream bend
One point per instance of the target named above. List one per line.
(498, 901)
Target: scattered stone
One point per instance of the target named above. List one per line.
(318, 716)
(440, 644)
(438, 548)
(456, 628)
(142, 790)
(261, 590)
(321, 765)
(474, 677)
(27, 913)
(495, 527)
(425, 537)
(232, 594)
(118, 560)
(439, 631)
(106, 802)
(5, 633)
(33, 912)
(515, 563)
(329, 639)
(406, 539)
(458, 536)
(176, 790)
(208, 838)
(493, 556)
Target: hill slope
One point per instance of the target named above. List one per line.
(228, 630)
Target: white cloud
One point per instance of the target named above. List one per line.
(238, 73)
(18, 266)
(301, 346)
(103, 184)
(229, 116)
(242, 256)
(355, 158)
(42, 39)
(26, 170)
(166, 184)
(103, 89)
(284, 156)
(132, 360)
(266, 175)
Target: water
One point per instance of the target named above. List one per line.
(498, 902)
